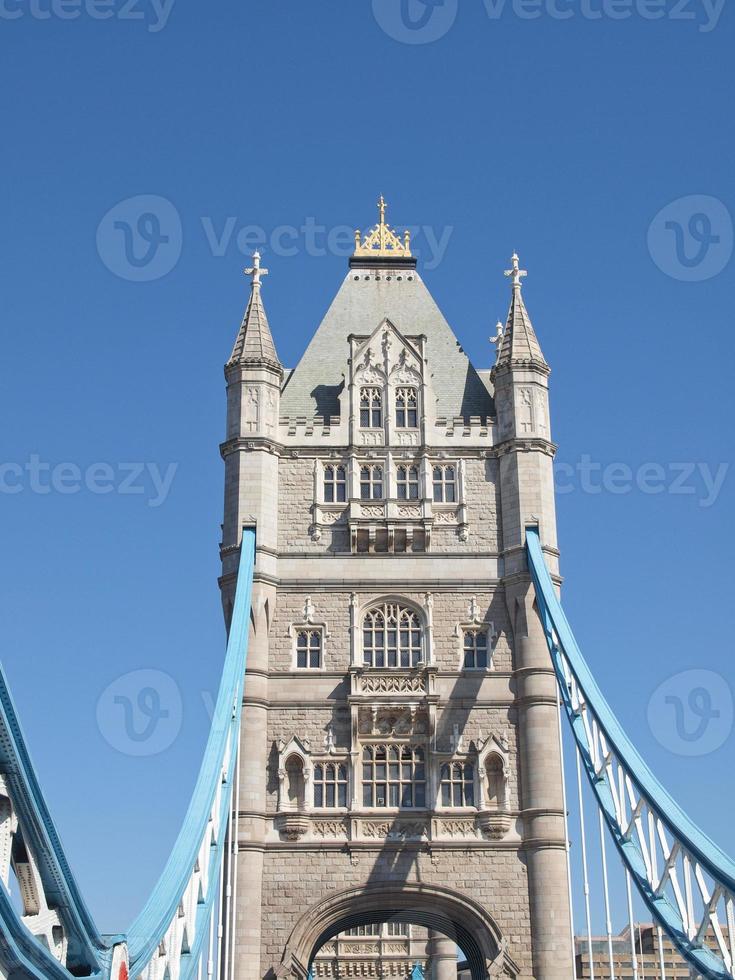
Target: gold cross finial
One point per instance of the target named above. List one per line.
(516, 272)
(381, 209)
(382, 240)
(255, 271)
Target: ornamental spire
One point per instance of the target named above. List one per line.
(517, 342)
(254, 344)
(516, 272)
(255, 271)
(382, 241)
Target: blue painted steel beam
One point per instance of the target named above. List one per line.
(717, 864)
(87, 952)
(151, 925)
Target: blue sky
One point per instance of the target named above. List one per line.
(600, 147)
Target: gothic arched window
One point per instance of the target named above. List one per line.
(407, 482)
(371, 482)
(407, 416)
(335, 484)
(393, 776)
(391, 637)
(371, 408)
(445, 484)
(330, 784)
(458, 784)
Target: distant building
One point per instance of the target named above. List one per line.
(649, 953)
(387, 949)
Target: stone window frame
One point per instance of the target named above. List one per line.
(335, 482)
(411, 478)
(308, 624)
(465, 782)
(360, 605)
(338, 762)
(376, 403)
(402, 404)
(476, 624)
(384, 605)
(415, 746)
(443, 483)
(373, 480)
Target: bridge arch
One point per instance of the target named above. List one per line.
(433, 906)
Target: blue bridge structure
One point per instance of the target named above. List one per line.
(185, 929)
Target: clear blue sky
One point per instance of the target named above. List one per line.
(563, 139)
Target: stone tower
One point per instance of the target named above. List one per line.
(399, 754)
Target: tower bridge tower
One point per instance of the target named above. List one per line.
(399, 755)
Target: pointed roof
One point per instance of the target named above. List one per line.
(519, 343)
(366, 298)
(254, 344)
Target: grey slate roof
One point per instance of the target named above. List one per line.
(362, 302)
(519, 341)
(254, 342)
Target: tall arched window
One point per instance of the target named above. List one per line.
(407, 482)
(391, 637)
(371, 482)
(445, 484)
(371, 408)
(330, 784)
(335, 484)
(458, 784)
(407, 408)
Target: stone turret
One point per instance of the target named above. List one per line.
(526, 456)
(254, 375)
(250, 452)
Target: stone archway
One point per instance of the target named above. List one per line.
(435, 907)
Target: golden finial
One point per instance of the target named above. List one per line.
(382, 241)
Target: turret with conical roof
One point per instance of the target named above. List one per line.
(519, 345)
(526, 455)
(254, 343)
(254, 375)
